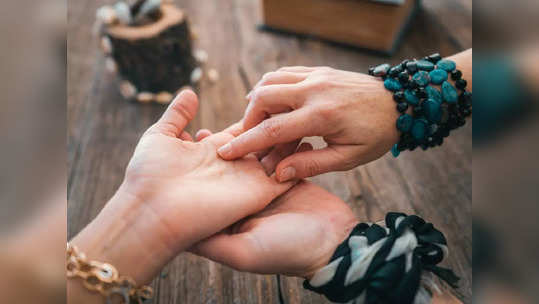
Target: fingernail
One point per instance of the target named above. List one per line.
(287, 174)
(248, 96)
(225, 150)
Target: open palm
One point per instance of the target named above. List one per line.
(295, 235)
(187, 192)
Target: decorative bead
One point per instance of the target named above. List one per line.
(402, 107)
(371, 71)
(461, 84)
(432, 109)
(411, 98)
(456, 75)
(466, 99)
(418, 111)
(421, 78)
(404, 77)
(438, 76)
(421, 93)
(445, 64)
(402, 144)
(433, 93)
(127, 89)
(163, 98)
(395, 151)
(196, 75)
(439, 140)
(433, 129)
(381, 70)
(394, 71)
(419, 129)
(201, 56)
(392, 84)
(110, 65)
(412, 85)
(449, 93)
(404, 123)
(398, 96)
(411, 66)
(425, 65)
(434, 58)
(145, 97)
(213, 75)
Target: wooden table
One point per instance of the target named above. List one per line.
(103, 130)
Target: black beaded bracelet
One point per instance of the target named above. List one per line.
(435, 113)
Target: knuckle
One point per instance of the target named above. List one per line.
(325, 112)
(182, 111)
(320, 83)
(271, 128)
(348, 164)
(259, 95)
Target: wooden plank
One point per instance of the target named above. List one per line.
(103, 130)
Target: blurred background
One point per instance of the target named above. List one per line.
(49, 89)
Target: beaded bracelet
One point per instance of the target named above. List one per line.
(394, 264)
(434, 114)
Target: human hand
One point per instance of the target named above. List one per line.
(295, 235)
(353, 112)
(175, 193)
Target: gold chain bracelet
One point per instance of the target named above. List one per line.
(104, 278)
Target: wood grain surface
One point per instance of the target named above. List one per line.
(103, 130)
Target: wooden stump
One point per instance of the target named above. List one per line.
(153, 60)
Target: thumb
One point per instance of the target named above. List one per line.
(178, 114)
(311, 163)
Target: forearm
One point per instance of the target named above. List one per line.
(119, 237)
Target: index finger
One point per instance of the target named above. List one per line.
(275, 130)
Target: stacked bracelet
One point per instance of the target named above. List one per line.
(391, 264)
(434, 114)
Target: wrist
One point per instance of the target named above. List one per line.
(341, 235)
(124, 236)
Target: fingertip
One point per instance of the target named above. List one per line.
(186, 136)
(188, 99)
(220, 140)
(225, 152)
(202, 133)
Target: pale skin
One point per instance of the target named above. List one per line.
(163, 207)
(353, 112)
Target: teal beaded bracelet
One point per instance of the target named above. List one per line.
(435, 113)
